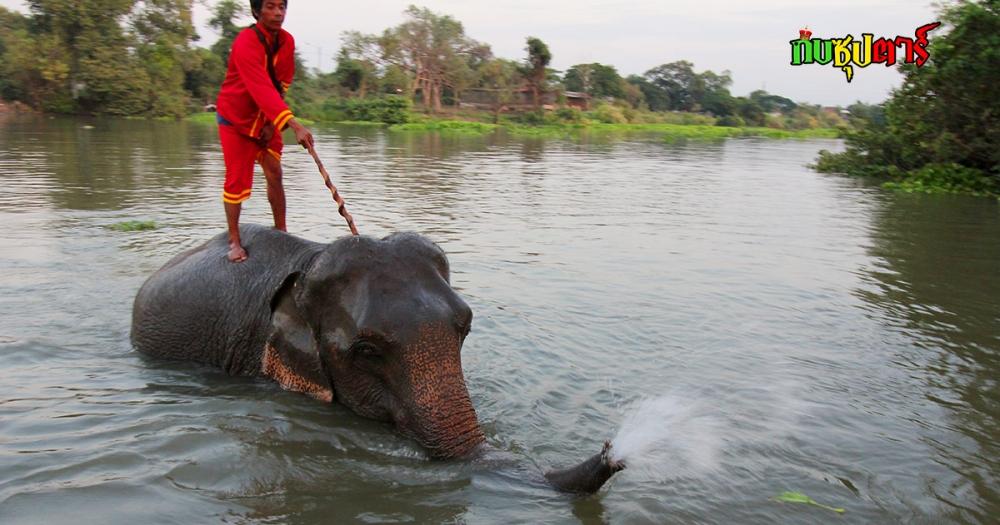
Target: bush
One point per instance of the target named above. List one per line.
(609, 114)
(732, 121)
(530, 118)
(391, 109)
(947, 178)
(568, 115)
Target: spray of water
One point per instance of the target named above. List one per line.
(667, 434)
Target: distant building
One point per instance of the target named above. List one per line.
(577, 99)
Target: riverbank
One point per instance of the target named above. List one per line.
(668, 131)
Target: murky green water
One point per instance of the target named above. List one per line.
(829, 337)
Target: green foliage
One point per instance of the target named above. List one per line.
(205, 117)
(204, 75)
(133, 226)
(608, 114)
(947, 178)
(731, 121)
(390, 109)
(798, 497)
(448, 126)
(433, 49)
(596, 80)
(501, 77)
(531, 118)
(535, 70)
(770, 103)
(680, 85)
(941, 119)
(222, 21)
(568, 115)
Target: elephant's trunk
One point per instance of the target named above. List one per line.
(443, 419)
(587, 477)
(437, 410)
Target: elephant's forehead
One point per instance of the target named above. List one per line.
(395, 303)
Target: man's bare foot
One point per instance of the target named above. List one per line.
(237, 253)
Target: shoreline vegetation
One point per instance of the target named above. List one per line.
(669, 131)
(939, 132)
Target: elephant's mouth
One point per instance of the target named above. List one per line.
(448, 436)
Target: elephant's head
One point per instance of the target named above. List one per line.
(376, 325)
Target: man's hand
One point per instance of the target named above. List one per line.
(302, 134)
(266, 132)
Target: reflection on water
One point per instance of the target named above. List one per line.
(934, 262)
(842, 341)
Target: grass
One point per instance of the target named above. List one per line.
(208, 117)
(447, 126)
(361, 123)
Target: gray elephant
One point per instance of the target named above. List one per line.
(371, 324)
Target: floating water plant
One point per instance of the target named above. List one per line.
(133, 226)
(798, 497)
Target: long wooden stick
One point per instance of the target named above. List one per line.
(333, 191)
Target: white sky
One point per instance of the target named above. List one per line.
(748, 38)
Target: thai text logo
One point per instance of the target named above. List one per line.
(845, 53)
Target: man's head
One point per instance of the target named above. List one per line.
(270, 13)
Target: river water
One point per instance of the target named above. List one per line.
(797, 332)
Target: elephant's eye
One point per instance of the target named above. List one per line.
(365, 349)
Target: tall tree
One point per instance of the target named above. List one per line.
(223, 15)
(433, 49)
(679, 82)
(355, 75)
(163, 30)
(538, 60)
(655, 98)
(88, 64)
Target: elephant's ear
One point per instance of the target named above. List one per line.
(291, 355)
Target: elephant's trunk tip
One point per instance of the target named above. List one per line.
(614, 464)
(589, 476)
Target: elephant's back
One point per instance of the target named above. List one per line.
(201, 307)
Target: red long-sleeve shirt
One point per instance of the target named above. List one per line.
(248, 98)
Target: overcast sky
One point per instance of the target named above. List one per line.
(748, 38)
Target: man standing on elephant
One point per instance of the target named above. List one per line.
(252, 113)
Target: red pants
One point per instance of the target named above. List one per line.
(239, 153)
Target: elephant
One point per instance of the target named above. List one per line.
(372, 324)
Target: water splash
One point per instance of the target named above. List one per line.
(667, 434)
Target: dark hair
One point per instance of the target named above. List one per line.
(256, 5)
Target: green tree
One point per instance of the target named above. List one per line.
(86, 63)
(163, 30)
(714, 96)
(770, 103)
(942, 120)
(596, 80)
(354, 75)
(434, 49)
(223, 15)
(680, 84)
(502, 77)
(538, 60)
(655, 98)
